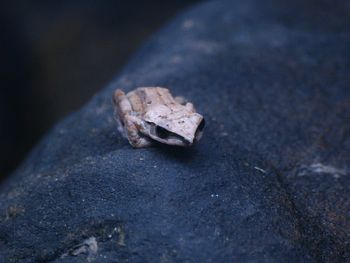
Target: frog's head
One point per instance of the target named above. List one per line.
(179, 126)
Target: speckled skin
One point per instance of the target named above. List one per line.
(141, 111)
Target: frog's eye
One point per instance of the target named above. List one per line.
(162, 133)
(158, 131)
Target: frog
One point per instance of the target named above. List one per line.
(150, 115)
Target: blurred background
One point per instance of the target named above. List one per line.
(56, 54)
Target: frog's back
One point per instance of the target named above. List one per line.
(150, 96)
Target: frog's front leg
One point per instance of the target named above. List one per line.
(132, 127)
(127, 123)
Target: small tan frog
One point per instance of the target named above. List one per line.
(150, 114)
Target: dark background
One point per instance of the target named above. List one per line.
(56, 54)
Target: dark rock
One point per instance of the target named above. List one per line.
(269, 182)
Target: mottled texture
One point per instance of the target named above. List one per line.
(269, 181)
(151, 114)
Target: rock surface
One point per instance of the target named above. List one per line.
(269, 182)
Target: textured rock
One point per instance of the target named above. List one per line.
(269, 181)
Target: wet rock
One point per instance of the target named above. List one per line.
(269, 181)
